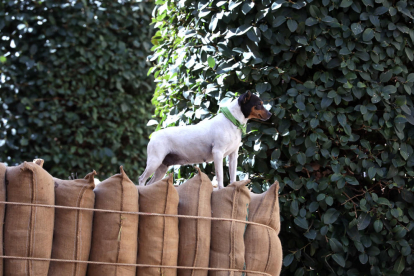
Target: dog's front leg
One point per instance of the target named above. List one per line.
(233, 165)
(218, 165)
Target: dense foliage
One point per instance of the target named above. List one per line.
(338, 78)
(73, 84)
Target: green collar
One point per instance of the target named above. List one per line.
(230, 116)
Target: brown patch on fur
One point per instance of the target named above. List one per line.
(257, 113)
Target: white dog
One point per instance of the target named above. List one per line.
(209, 140)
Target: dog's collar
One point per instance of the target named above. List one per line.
(226, 112)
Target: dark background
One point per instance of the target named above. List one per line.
(74, 88)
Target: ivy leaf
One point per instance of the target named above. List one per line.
(409, 53)
(313, 206)
(310, 21)
(288, 259)
(375, 20)
(383, 201)
(357, 28)
(247, 6)
(213, 23)
(301, 222)
(300, 105)
(380, 10)
(364, 220)
(378, 226)
(404, 151)
(211, 62)
(254, 34)
(386, 76)
(335, 177)
(238, 31)
(399, 265)
(335, 245)
(276, 154)
(314, 11)
(373, 251)
(309, 84)
(339, 259)
(326, 102)
(301, 158)
(368, 34)
(294, 208)
(341, 119)
(331, 215)
(410, 77)
(262, 87)
(279, 21)
(234, 4)
(363, 258)
(371, 172)
(345, 3)
(292, 25)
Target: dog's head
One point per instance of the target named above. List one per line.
(252, 107)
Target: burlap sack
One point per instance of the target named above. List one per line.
(227, 241)
(158, 236)
(264, 208)
(73, 228)
(28, 230)
(2, 209)
(114, 236)
(194, 244)
(263, 247)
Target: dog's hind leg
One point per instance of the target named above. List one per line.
(149, 170)
(156, 154)
(159, 174)
(218, 165)
(233, 165)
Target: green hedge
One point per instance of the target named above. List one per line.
(73, 86)
(338, 77)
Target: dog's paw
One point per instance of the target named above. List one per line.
(214, 182)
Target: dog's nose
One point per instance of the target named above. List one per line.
(268, 115)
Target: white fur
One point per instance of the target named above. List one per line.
(209, 140)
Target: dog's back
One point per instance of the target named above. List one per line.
(191, 144)
(183, 144)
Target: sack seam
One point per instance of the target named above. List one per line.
(164, 228)
(120, 223)
(232, 231)
(32, 219)
(197, 225)
(269, 252)
(27, 263)
(257, 208)
(78, 230)
(276, 201)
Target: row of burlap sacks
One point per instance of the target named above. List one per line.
(82, 235)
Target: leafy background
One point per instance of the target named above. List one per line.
(337, 76)
(73, 85)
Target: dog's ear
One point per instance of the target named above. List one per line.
(246, 97)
